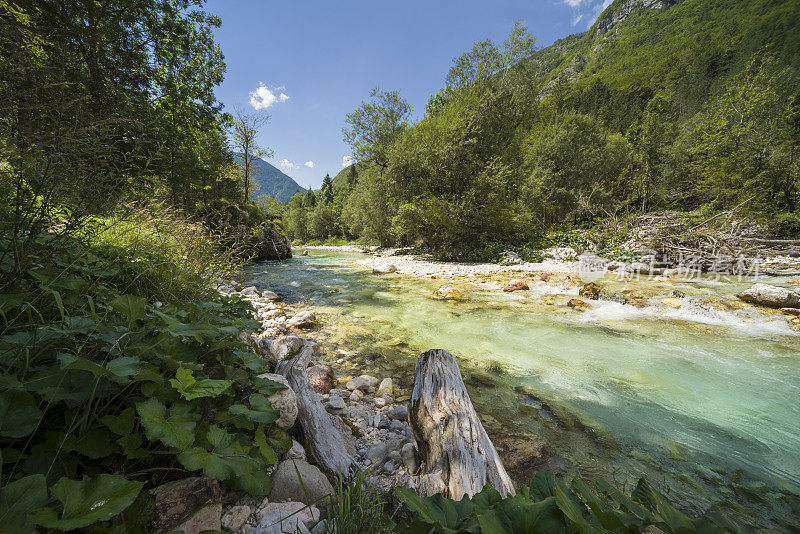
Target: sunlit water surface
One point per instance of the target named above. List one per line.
(693, 393)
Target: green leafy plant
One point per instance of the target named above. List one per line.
(548, 505)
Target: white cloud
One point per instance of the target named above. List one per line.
(263, 97)
(286, 164)
(309, 164)
(586, 10)
(347, 161)
(576, 19)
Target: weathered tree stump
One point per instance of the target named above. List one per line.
(459, 457)
(322, 438)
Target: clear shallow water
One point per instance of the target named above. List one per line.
(680, 390)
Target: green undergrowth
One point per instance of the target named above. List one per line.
(123, 369)
(548, 505)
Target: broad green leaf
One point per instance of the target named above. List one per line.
(191, 388)
(18, 414)
(517, 515)
(70, 361)
(260, 410)
(541, 486)
(174, 431)
(260, 441)
(121, 424)
(89, 501)
(124, 366)
(17, 500)
(665, 513)
(199, 331)
(252, 361)
(266, 386)
(574, 510)
(130, 306)
(610, 517)
(445, 515)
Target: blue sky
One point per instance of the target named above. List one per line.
(308, 64)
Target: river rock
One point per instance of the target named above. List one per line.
(335, 404)
(303, 319)
(286, 518)
(516, 285)
(510, 257)
(356, 395)
(250, 291)
(409, 457)
(286, 485)
(304, 253)
(270, 295)
(380, 402)
(321, 378)
(634, 298)
(791, 311)
(590, 291)
(363, 382)
(277, 349)
(386, 387)
(770, 296)
(235, 518)
(284, 400)
(173, 502)
(399, 412)
(377, 453)
(579, 305)
(561, 253)
(272, 314)
(384, 269)
(672, 302)
(447, 293)
(571, 282)
(295, 452)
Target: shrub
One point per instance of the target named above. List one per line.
(786, 226)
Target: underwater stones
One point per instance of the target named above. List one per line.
(672, 302)
(571, 282)
(770, 296)
(579, 305)
(634, 298)
(284, 400)
(516, 285)
(384, 269)
(363, 382)
(590, 291)
(321, 378)
(303, 319)
(447, 293)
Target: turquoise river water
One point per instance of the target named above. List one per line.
(705, 398)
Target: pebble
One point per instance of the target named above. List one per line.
(235, 518)
(356, 396)
(385, 387)
(380, 402)
(399, 412)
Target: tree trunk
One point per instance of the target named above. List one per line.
(459, 457)
(322, 438)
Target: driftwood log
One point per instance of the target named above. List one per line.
(459, 457)
(322, 438)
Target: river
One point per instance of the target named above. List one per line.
(705, 398)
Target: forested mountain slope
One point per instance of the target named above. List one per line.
(272, 181)
(690, 106)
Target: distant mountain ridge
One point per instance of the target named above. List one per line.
(272, 181)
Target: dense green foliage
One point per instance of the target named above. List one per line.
(120, 202)
(547, 505)
(690, 107)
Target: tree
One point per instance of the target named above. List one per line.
(327, 189)
(372, 128)
(310, 200)
(244, 131)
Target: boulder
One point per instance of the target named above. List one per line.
(590, 291)
(286, 485)
(174, 503)
(516, 285)
(250, 291)
(510, 258)
(634, 298)
(321, 378)
(287, 518)
(770, 296)
(303, 319)
(284, 400)
(277, 349)
(384, 269)
(447, 293)
(266, 243)
(579, 305)
(363, 382)
(235, 518)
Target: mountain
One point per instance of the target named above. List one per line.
(272, 181)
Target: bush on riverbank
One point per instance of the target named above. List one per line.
(119, 357)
